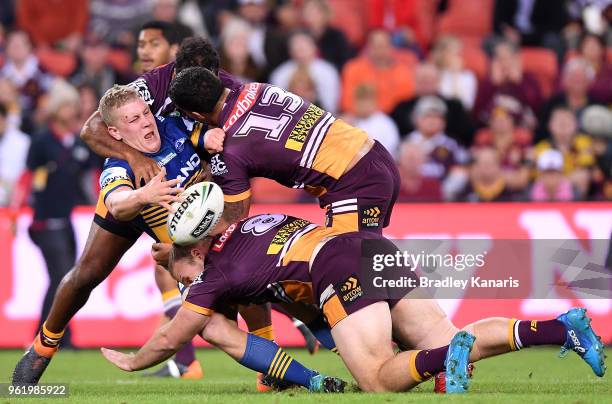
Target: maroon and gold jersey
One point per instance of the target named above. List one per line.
(264, 258)
(153, 87)
(275, 134)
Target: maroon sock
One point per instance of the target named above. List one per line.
(549, 332)
(186, 355)
(429, 362)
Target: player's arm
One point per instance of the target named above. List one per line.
(168, 339)
(124, 203)
(235, 211)
(95, 134)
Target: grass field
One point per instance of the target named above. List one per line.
(529, 376)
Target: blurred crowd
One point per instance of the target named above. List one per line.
(478, 100)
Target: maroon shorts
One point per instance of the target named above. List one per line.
(337, 278)
(363, 198)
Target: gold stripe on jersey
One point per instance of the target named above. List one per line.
(151, 213)
(238, 197)
(161, 232)
(303, 248)
(345, 222)
(340, 145)
(194, 178)
(113, 185)
(298, 291)
(334, 311)
(198, 309)
(298, 135)
(195, 135)
(101, 209)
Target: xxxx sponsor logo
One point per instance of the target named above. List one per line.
(351, 289)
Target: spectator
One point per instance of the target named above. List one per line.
(487, 180)
(575, 82)
(592, 48)
(23, 71)
(267, 46)
(597, 122)
(93, 67)
(508, 78)
(403, 18)
(158, 42)
(54, 22)
(379, 61)
(576, 149)
(56, 162)
(301, 83)
(14, 146)
(234, 51)
(445, 158)
(532, 23)
(415, 187)
(9, 98)
(88, 101)
(455, 81)
(303, 52)
(332, 42)
(552, 185)
(167, 11)
(512, 143)
(427, 83)
(367, 117)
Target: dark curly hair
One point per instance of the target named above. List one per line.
(197, 51)
(196, 89)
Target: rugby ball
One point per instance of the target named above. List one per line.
(197, 214)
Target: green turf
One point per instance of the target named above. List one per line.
(529, 376)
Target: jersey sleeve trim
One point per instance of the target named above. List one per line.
(238, 197)
(198, 309)
(114, 186)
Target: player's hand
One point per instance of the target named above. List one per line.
(144, 168)
(161, 253)
(119, 359)
(213, 140)
(161, 192)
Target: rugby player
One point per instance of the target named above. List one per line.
(153, 88)
(282, 258)
(158, 43)
(272, 133)
(109, 238)
(134, 124)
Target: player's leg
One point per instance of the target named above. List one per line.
(421, 324)
(264, 356)
(368, 353)
(315, 329)
(101, 254)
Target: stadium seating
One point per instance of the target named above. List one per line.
(542, 63)
(476, 60)
(120, 60)
(56, 62)
(470, 20)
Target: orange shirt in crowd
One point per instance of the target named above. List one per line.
(393, 84)
(50, 21)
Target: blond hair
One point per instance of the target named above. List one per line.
(115, 97)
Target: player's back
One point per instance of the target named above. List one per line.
(275, 134)
(251, 255)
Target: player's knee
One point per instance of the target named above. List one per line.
(214, 332)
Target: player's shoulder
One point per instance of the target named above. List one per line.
(174, 126)
(115, 169)
(149, 83)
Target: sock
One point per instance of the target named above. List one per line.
(265, 332)
(47, 342)
(265, 356)
(321, 330)
(172, 303)
(426, 363)
(527, 333)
